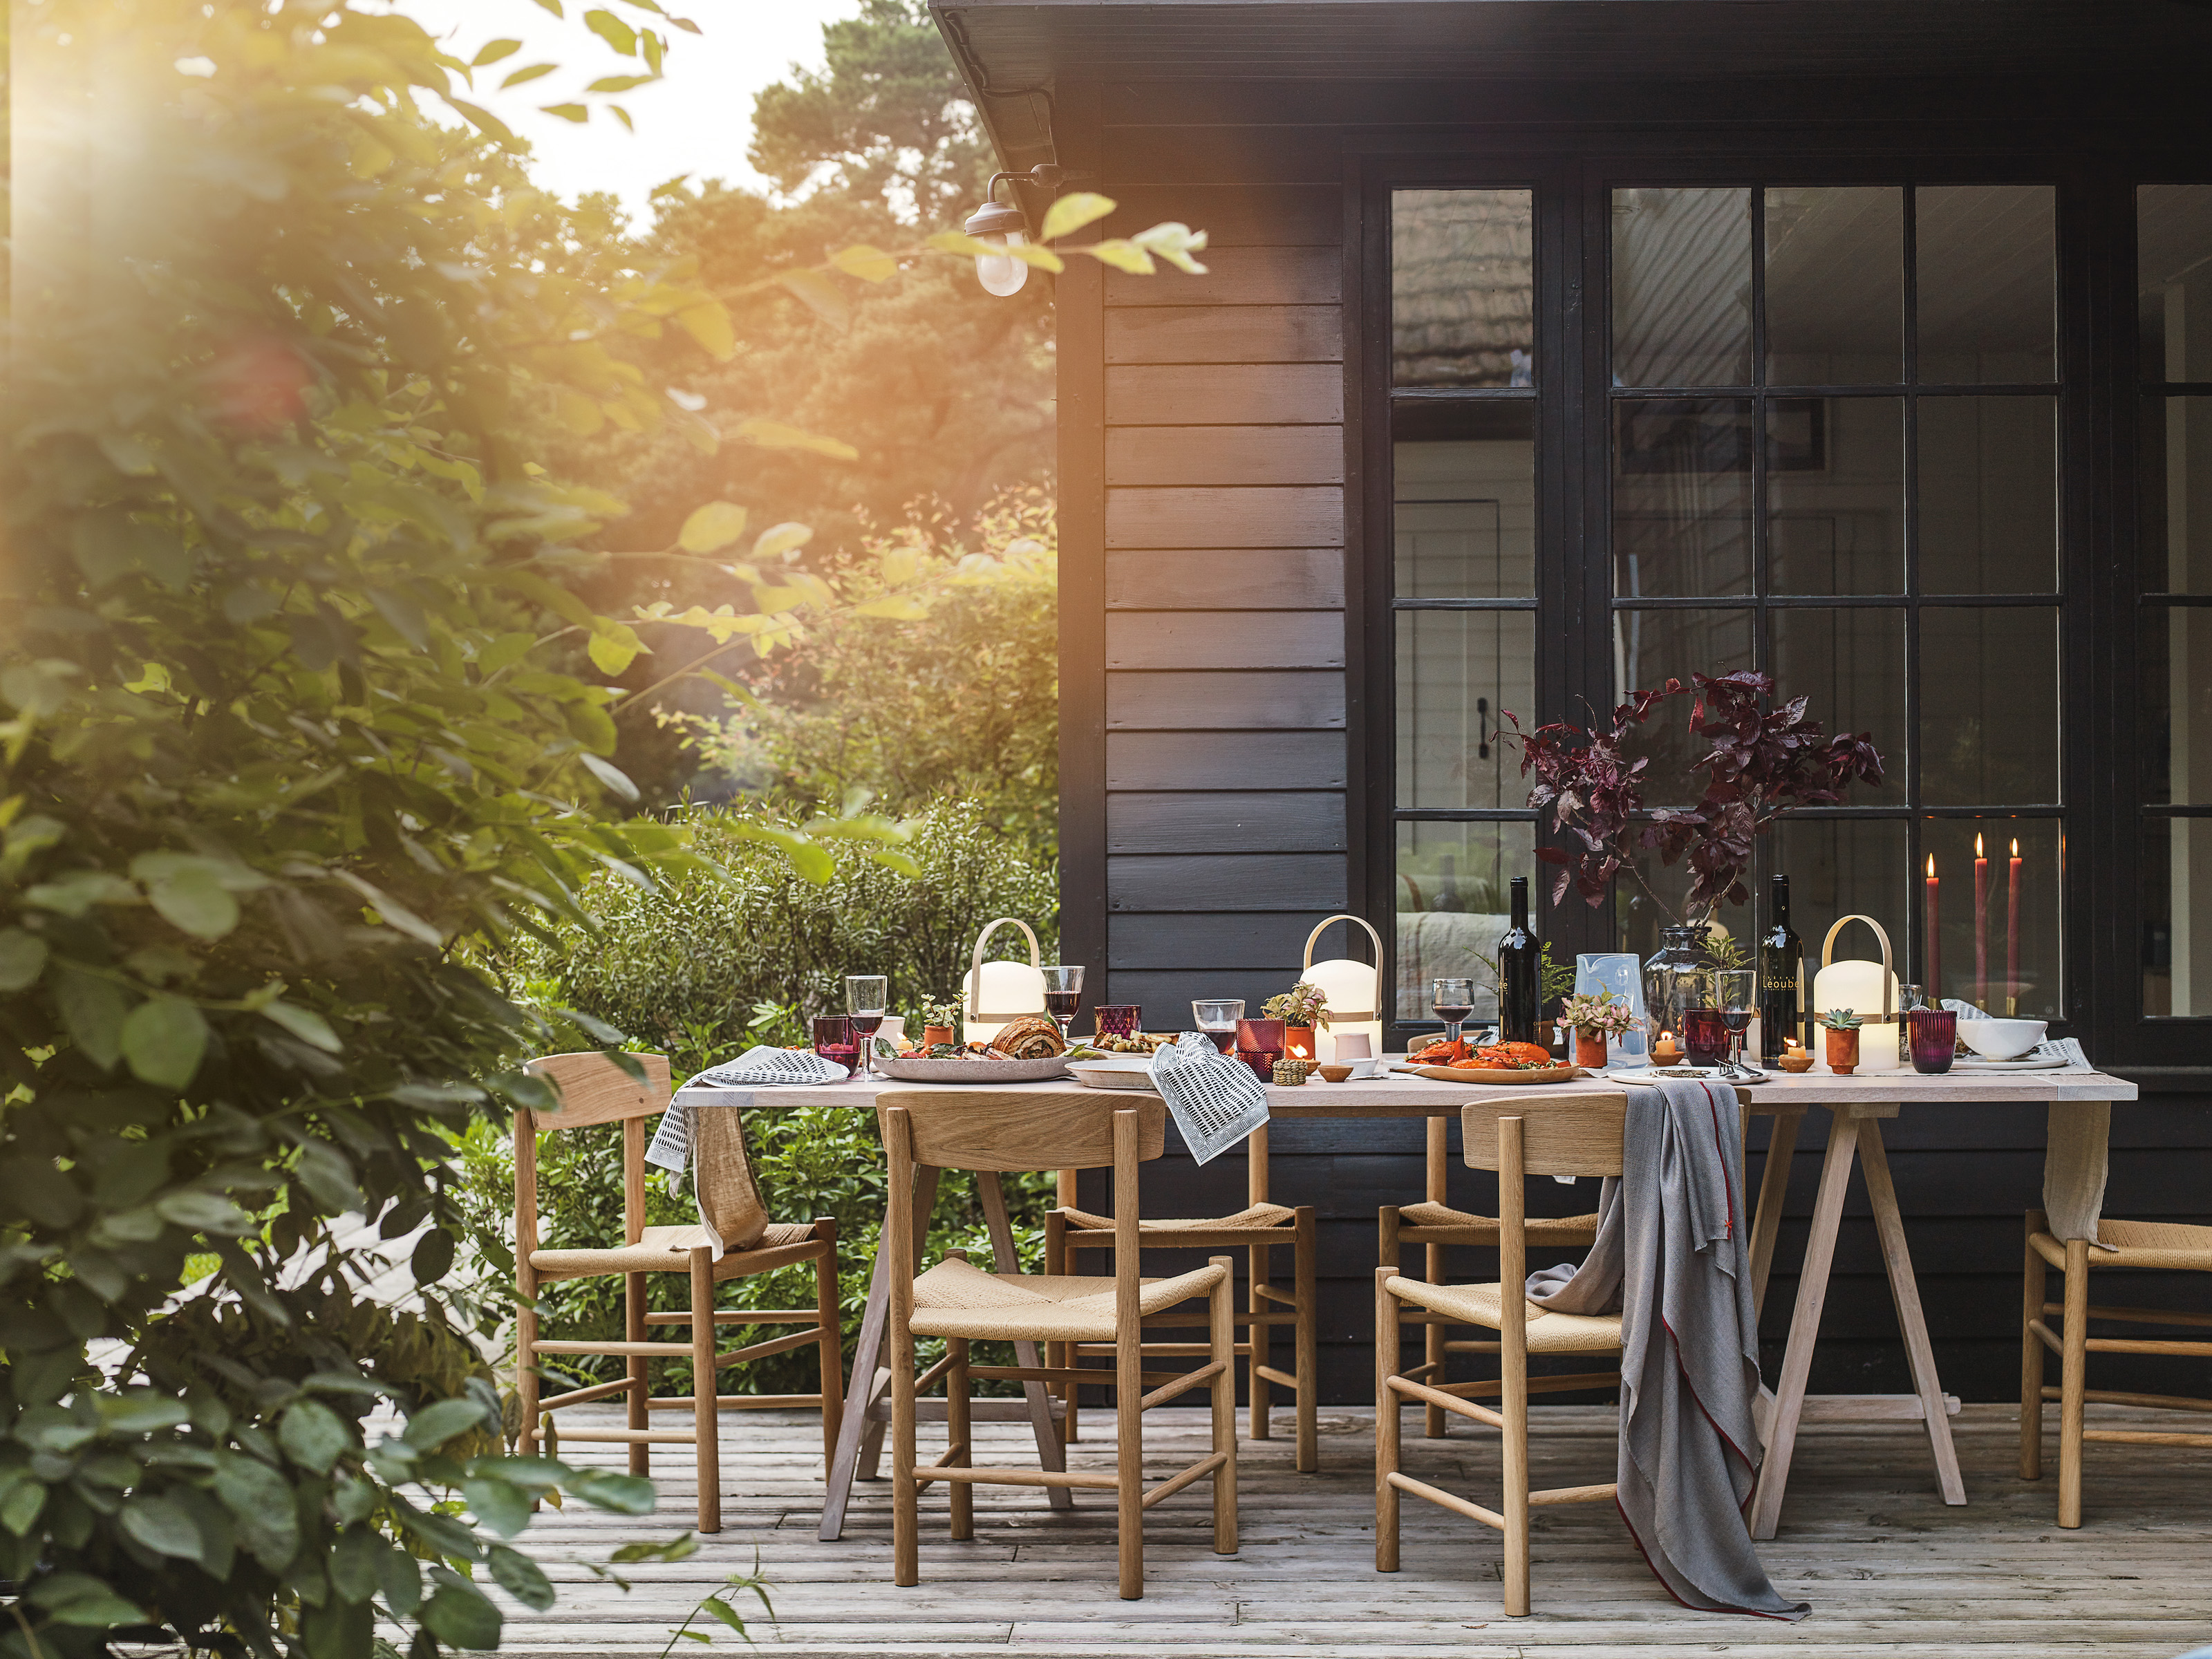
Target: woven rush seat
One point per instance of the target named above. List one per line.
(1256, 1215)
(664, 1249)
(1542, 1229)
(2140, 1244)
(954, 1298)
(1481, 1304)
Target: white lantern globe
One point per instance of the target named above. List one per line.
(1353, 990)
(1869, 989)
(996, 993)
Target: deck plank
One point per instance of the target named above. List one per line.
(1889, 1569)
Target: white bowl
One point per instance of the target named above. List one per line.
(2002, 1039)
(1122, 1072)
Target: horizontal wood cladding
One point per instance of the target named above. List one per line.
(1166, 998)
(1276, 822)
(1275, 515)
(1226, 334)
(1172, 154)
(1226, 881)
(1181, 578)
(1225, 638)
(1157, 455)
(1236, 277)
(1253, 394)
(1205, 941)
(1289, 700)
(1203, 760)
(1237, 215)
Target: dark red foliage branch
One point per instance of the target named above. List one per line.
(1761, 763)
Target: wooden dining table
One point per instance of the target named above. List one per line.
(2078, 1104)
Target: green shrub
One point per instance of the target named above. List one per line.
(702, 970)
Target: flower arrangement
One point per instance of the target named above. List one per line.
(1303, 1004)
(943, 1012)
(1762, 761)
(1598, 1014)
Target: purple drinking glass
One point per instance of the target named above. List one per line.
(1704, 1034)
(1934, 1038)
(1121, 1019)
(834, 1042)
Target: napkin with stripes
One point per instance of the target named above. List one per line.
(758, 1067)
(1216, 1100)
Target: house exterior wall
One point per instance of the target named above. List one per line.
(1214, 683)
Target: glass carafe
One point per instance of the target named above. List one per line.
(1676, 979)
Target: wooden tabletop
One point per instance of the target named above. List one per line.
(1399, 1095)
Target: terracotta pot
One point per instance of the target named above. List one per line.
(1843, 1050)
(1589, 1050)
(933, 1034)
(1298, 1042)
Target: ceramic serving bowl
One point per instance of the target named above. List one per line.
(1122, 1072)
(972, 1071)
(2002, 1039)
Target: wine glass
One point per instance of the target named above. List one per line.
(868, 999)
(1063, 995)
(1737, 991)
(1216, 1017)
(1453, 1000)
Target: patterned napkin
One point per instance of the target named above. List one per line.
(1216, 1100)
(758, 1067)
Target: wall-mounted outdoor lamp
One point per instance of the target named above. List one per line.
(1003, 225)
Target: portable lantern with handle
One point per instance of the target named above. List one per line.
(1353, 990)
(1860, 986)
(998, 992)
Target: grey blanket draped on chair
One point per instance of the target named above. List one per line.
(1671, 1257)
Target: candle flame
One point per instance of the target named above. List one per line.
(2015, 849)
(1931, 867)
(1977, 846)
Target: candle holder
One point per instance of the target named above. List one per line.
(1935, 1037)
(1260, 1045)
(1121, 1019)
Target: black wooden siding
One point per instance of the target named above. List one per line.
(1204, 742)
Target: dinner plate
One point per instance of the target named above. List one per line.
(973, 1071)
(1484, 1074)
(1965, 1064)
(1685, 1073)
(1122, 1072)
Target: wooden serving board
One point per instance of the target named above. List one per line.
(1484, 1074)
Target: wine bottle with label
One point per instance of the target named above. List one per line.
(1520, 980)
(1780, 953)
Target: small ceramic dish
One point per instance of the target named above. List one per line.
(2002, 1039)
(1128, 1072)
(1336, 1074)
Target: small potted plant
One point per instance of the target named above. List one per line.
(1595, 1019)
(940, 1022)
(1300, 1009)
(1843, 1040)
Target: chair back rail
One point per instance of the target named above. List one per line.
(593, 1089)
(1566, 1134)
(1047, 1129)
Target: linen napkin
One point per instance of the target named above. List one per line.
(1216, 1100)
(722, 1183)
(759, 1067)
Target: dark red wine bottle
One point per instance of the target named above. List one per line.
(1520, 980)
(1780, 956)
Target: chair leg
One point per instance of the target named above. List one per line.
(1060, 1356)
(1262, 1340)
(1386, 1423)
(1129, 1455)
(1221, 1304)
(525, 1371)
(1308, 1350)
(906, 1519)
(831, 1345)
(956, 1431)
(2031, 1357)
(706, 1385)
(641, 1453)
(1513, 1403)
(2074, 1358)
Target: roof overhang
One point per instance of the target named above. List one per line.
(1014, 54)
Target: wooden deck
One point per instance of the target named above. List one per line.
(1889, 1569)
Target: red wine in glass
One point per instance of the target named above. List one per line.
(1454, 1013)
(1062, 1005)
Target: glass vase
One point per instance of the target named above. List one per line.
(1676, 980)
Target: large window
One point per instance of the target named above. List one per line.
(1822, 439)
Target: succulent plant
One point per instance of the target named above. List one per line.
(1841, 1019)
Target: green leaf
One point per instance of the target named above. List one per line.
(400, 1580)
(709, 325)
(779, 540)
(520, 1578)
(821, 296)
(553, 6)
(523, 77)
(141, 1412)
(164, 1038)
(713, 528)
(624, 1494)
(22, 959)
(162, 1527)
(611, 775)
(1120, 253)
(504, 1509)
(613, 647)
(620, 83)
(612, 30)
(440, 1420)
(304, 1024)
(261, 1505)
(680, 1548)
(93, 1009)
(714, 1608)
(1073, 211)
(432, 1261)
(869, 265)
(774, 435)
(202, 1213)
(483, 119)
(579, 113)
(20, 1506)
(191, 897)
(313, 1436)
(79, 1599)
(493, 51)
(460, 1615)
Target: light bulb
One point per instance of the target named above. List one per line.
(1001, 273)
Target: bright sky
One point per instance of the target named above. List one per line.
(697, 120)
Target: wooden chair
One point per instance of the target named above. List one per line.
(2165, 1246)
(594, 1090)
(1259, 1228)
(995, 1132)
(1577, 1135)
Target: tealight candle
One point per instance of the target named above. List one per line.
(1666, 1051)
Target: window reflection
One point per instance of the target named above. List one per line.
(1977, 959)
(1836, 524)
(1651, 647)
(1681, 287)
(2176, 676)
(1465, 479)
(1851, 664)
(2176, 939)
(1458, 671)
(1835, 285)
(1681, 498)
(1841, 868)
(1989, 495)
(1461, 302)
(1988, 706)
(1988, 282)
(2176, 450)
(1452, 905)
(2174, 273)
